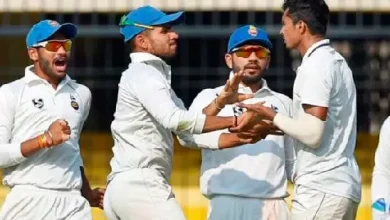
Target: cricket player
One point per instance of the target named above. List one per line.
(327, 179)
(380, 187)
(41, 118)
(147, 113)
(248, 182)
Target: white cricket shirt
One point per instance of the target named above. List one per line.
(147, 112)
(251, 170)
(27, 108)
(325, 79)
(380, 187)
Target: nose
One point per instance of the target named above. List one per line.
(281, 31)
(174, 35)
(61, 50)
(253, 57)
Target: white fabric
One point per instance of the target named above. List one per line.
(307, 128)
(324, 79)
(147, 113)
(141, 194)
(380, 187)
(311, 204)
(251, 170)
(234, 208)
(21, 120)
(31, 203)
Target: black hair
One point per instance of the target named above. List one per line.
(315, 13)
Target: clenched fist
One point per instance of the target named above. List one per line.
(59, 132)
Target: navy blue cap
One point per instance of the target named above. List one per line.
(145, 17)
(248, 33)
(43, 30)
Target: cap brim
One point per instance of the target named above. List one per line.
(68, 30)
(261, 42)
(129, 32)
(174, 18)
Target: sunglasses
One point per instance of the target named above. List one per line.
(123, 22)
(245, 52)
(54, 45)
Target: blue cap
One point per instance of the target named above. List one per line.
(43, 30)
(248, 33)
(138, 20)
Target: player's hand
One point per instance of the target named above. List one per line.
(229, 94)
(256, 133)
(96, 197)
(263, 111)
(60, 132)
(246, 121)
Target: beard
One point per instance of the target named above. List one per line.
(45, 66)
(250, 79)
(48, 69)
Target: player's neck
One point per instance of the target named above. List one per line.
(307, 42)
(54, 82)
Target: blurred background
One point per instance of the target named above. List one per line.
(359, 30)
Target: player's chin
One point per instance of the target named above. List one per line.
(60, 74)
(252, 72)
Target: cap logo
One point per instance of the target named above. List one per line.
(252, 30)
(54, 23)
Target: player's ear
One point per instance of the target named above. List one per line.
(229, 60)
(33, 54)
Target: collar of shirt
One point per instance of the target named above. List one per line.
(314, 46)
(247, 90)
(30, 77)
(138, 57)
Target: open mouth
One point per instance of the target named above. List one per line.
(60, 64)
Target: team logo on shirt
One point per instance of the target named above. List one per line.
(73, 103)
(237, 110)
(38, 103)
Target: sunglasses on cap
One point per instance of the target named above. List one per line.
(245, 52)
(123, 22)
(54, 45)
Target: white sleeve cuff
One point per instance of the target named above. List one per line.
(16, 153)
(199, 123)
(12, 155)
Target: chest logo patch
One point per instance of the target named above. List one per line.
(73, 103)
(38, 103)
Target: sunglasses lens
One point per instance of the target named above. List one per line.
(53, 46)
(262, 53)
(67, 45)
(243, 53)
(246, 52)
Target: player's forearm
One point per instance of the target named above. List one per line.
(86, 187)
(229, 140)
(214, 123)
(13, 154)
(213, 108)
(306, 129)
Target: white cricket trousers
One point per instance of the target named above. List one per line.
(32, 203)
(311, 204)
(141, 194)
(238, 208)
